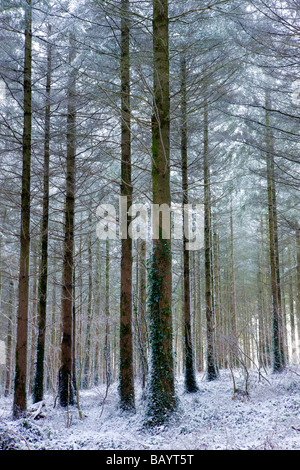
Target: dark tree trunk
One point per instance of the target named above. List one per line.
(189, 371)
(161, 391)
(278, 351)
(20, 393)
(66, 391)
(38, 386)
(212, 372)
(126, 380)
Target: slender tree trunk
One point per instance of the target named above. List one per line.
(20, 395)
(98, 315)
(38, 387)
(107, 352)
(161, 393)
(53, 358)
(217, 291)
(88, 352)
(189, 371)
(292, 310)
(262, 330)
(142, 311)
(9, 340)
(234, 339)
(278, 353)
(74, 333)
(33, 320)
(298, 284)
(212, 372)
(198, 313)
(126, 380)
(66, 392)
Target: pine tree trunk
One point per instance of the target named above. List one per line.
(212, 373)
(9, 340)
(278, 355)
(161, 393)
(88, 352)
(189, 371)
(126, 380)
(298, 283)
(233, 339)
(217, 291)
(292, 310)
(74, 333)
(97, 314)
(66, 392)
(142, 311)
(198, 313)
(107, 352)
(262, 332)
(38, 386)
(20, 394)
(33, 321)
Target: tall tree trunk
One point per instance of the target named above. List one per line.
(278, 352)
(212, 372)
(38, 386)
(20, 395)
(66, 392)
(161, 394)
(189, 371)
(126, 380)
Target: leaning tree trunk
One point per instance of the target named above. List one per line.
(189, 370)
(161, 391)
(212, 372)
(126, 380)
(66, 391)
(38, 386)
(20, 394)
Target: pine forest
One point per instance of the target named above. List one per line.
(149, 226)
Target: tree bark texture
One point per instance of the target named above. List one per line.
(20, 394)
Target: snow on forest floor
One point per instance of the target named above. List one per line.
(207, 420)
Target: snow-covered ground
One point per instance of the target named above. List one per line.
(211, 419)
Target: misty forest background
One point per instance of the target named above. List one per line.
(182, 101)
